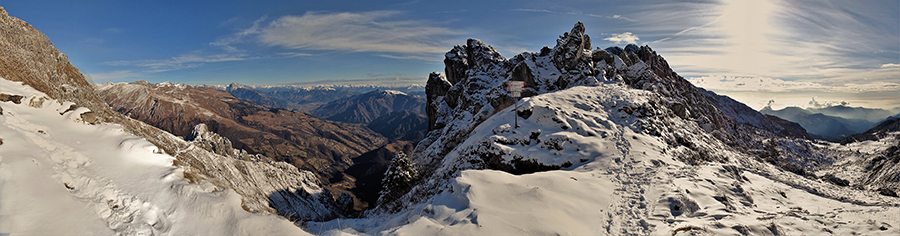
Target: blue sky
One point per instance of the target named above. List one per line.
(802, 53)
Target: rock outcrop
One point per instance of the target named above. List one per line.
(471, 90)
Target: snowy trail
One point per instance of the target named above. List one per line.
(622, 182)
(59, 175)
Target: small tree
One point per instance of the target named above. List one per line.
(398, 178)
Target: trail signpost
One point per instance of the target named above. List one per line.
(516, 88)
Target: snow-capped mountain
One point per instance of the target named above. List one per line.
(306, 98)
(72, 165)
(364, 108)
(608, 142)
(613, 142)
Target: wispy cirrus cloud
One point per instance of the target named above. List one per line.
(356, 32)
(228, 42)
(374, 31)
(614, 16)
(775, 38)
(186, 61)
(533, 10)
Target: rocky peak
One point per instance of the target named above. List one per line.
(201, 136)
(473, 88)
(235, 86)
(572, 48)
(474, 55)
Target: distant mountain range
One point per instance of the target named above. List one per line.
(832, 123)
(294, 137)
(305, 98)
(891, 124)
(366, 107)
(874, 115)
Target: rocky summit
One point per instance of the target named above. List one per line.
(620, 114)
(471, 89)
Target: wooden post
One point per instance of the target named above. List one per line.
(516, 88)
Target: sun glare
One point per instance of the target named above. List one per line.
(747, 27)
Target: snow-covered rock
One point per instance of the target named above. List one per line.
(613, 144)
(49, 85)
(61, 175)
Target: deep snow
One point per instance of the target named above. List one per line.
(622, 182)
(59, 176)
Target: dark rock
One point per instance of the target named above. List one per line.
(602, 55)
(17, 99)
(887, 192)
(522, 73)
(435, 89)
(569, 52)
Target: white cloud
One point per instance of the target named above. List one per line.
(293, 54)
(228, 42)
(616, 17)
(626, 37)
(765, 84)
(838, 42)
(180, 62)
(533, 10)
(374, 31)
(817, 104)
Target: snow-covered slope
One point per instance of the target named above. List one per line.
(611, 142)
(61, 176)
(621, 181)
(29, 57)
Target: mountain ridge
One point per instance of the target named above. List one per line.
(280, 135)
(27, 56)
(831, 128)
(471, 90)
